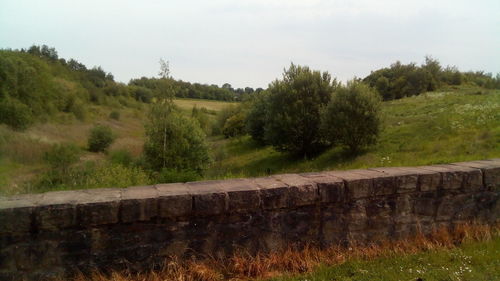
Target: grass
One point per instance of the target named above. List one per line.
(468, 252)
(187, 104)
(471, 261)
(438, 127)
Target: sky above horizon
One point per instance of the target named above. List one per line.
(250, 42)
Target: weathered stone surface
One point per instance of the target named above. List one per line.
(331, 189)
(301, 191)
(174, 200)
(209, 198)
(274, 194)
(16, 213)
(383, 183)
(56, 233)
(243, 195)
(427, 180)
(490, 170)
(139, 203)
(98, 206)
(404, 181)
(450, 178)
(356, 185)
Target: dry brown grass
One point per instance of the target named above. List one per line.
(248, 267)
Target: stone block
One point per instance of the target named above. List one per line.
(100, 207)
(243, 195)
(405, 180)
(331, 189)
(427, 180)
(356, 185)
(490, 170)
(383, 183)
(450, 205)
(57, 209)
(301, 191)
(472, 177)
(355, 216)
(209, 198)
(403, 207)
(452, 177)
(16, 213)
(139, 203)
(174, 200)
(425, 205)
(273, 193)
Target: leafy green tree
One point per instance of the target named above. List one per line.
(15, 114)
(100, 138)
(256, 117)
(174, 141)
(352, 118)
(234, 125)
(293, 110)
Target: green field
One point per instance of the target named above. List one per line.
(470, 261)
(436, 127)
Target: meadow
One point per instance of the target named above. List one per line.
(453, 124)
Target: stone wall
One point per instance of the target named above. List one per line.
(56, 233)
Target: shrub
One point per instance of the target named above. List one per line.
(121, 157)
(171, 175)
(174, 141)
(201, 116)
(100, 138)
(293, 110)
(61, 156)
(352, 118)
(114, 115)
(15, 114)
(234, 125)
(223, 116)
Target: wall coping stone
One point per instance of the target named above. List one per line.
(240, 195)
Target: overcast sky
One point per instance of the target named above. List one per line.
(249, 42)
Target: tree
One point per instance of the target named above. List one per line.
(256, 117)
(293, 110)
(352, 118)
(164, 69)
(173, 141)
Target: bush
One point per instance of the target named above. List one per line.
(174, 141)
(121, 157)
(15, 114)
(172, 175)
(61, 156)
(234, 125)
(223, 116)
(92, 175)
(100, 138)
(114, 115)
(352, 118)
(293, 110)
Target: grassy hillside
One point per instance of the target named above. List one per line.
(436, 127)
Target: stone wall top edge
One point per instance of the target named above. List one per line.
(77, 197)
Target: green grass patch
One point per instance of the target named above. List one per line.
(470, 261)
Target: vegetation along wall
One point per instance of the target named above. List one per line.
(43, 235)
